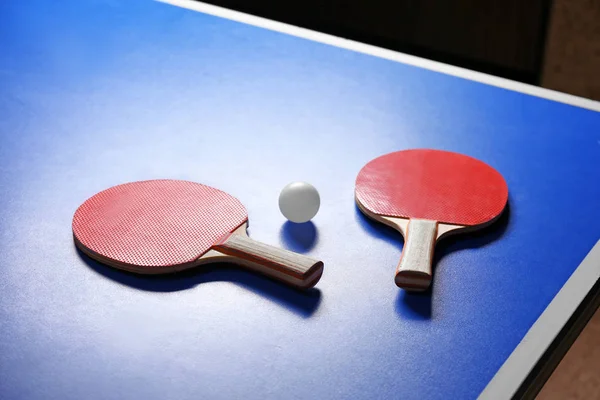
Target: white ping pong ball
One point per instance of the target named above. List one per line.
(299, 202)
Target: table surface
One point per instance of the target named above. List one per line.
(98, 93)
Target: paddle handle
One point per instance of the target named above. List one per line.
(414, 270)
(289, 267)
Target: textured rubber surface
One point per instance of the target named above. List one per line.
(156, 223)
(94, 92)
(432, 184)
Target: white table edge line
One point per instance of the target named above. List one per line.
(385, 53)
(542, 333)
(516, 368)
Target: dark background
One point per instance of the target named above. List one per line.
(503, 38)
(551, 43)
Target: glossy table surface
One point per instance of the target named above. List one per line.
(98, 93)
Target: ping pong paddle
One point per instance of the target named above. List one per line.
(426, 195)
(163, 226)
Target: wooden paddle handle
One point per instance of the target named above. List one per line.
(292, 268)
(414, 269)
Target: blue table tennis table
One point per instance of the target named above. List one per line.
(98, 93)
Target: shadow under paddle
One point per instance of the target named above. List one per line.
(418, 306)
(415, 306)
(301, 302)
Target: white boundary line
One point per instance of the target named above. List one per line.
(387, 54)
(519, 364)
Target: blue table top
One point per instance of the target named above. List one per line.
(98, 93)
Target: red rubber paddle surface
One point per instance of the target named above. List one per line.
(432, 184)
(156, 223)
